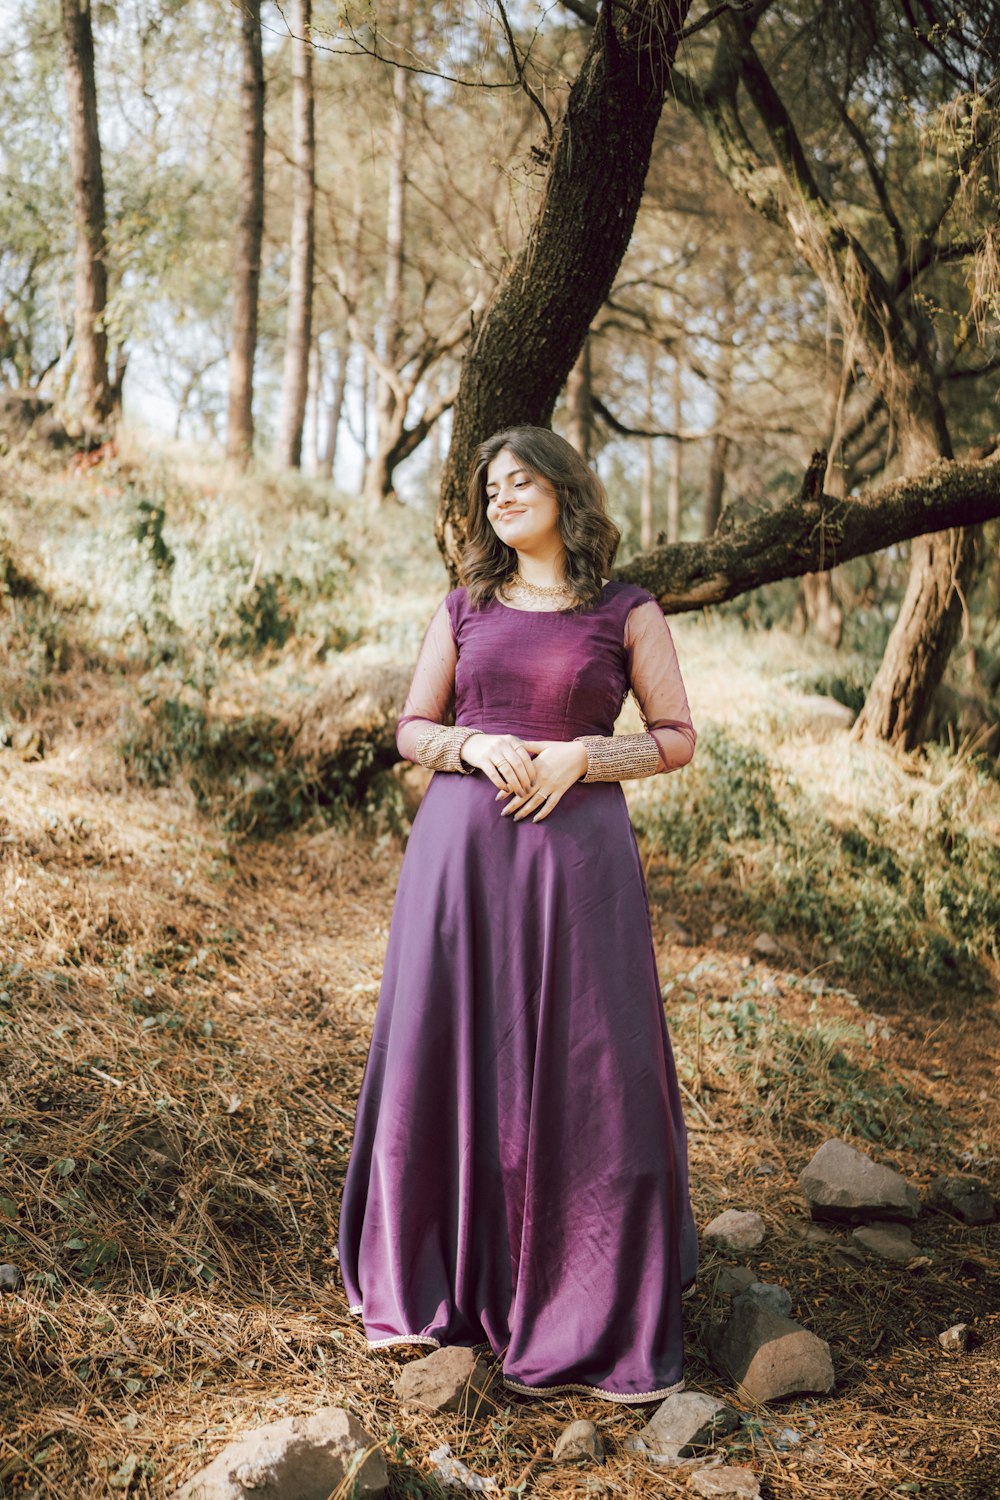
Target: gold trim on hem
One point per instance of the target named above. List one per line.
(625, 1397)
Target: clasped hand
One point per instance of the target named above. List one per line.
(533, 774)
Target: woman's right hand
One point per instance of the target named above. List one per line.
(504, 759)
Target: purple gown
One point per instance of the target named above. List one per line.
(518, 1175)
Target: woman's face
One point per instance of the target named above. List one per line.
(522, 508)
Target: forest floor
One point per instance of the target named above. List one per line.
(184, 1020)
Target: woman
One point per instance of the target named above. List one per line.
(519, 1171)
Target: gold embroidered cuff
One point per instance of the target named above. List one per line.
(619, 757)
(439, 748)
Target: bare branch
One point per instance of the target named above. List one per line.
(740, 7)
(519, 70)
(645, 432)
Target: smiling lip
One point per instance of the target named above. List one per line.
(504, 514)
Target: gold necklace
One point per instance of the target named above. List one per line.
(538, 590)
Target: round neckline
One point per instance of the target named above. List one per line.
(514, 609)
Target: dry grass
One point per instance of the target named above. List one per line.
(183, 1026)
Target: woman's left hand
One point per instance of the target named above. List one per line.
(556, 765)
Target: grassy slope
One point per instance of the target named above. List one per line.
(184, 1017)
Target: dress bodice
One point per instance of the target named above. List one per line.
(542, 674)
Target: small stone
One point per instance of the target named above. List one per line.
(580, 1440)
(719, 929)
(966, 1197)
(678, 932)
(10, 1278)
(452, 1474)
(770, 1356)
(766, 945)
(733, 1280)
(736, 1230)
(721, 1484)
(955, 1339)
(770, 1294)
(299, 1458)
(687, 1423)
(888, 1241)
(842, 1183)
(450, 1379)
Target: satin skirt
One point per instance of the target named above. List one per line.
(518, 1176)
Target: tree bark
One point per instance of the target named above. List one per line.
(647, 495)
(91, 276)
(298, 339)
(579, 408)
(534, 326)
(249, 237)
(387, 417)
(715, 485)
(676, 452)
(794, 539)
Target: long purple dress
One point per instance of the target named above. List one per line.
(519, 1169)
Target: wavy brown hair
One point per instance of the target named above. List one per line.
(589, 535)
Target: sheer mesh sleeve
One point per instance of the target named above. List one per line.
(655, 679)
(423, 733)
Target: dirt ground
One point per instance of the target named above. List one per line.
(184, 1020)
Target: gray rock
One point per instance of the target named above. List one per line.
(821, 716)
(578, 1440)
(966, 1197)
(299, 1458)
(721, 1484)
(450, 1379)
(768, 1355)
(10, 1278)
(733, 1280)
(687, 1423)
(955, 1339)
(888, 1241)
(766, 945)
(842, 1183)
(771, 1295)
(736, 1230)
(452, 1474)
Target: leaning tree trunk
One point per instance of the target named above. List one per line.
(298, 339)
(249, 236)
(534, 327)
(942, 571)
(91, 276)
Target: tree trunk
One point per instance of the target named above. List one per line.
(387, 420)
(676, 449)
(298, 339)
(535, 324)
(647, 495)
(580, 411)
(942, 572)
(91, 276)
(249, 235)
(715, 485)
(350, 287)
(334, 411)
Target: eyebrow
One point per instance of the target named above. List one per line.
(494, 483)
